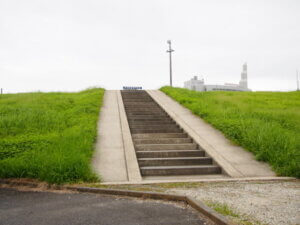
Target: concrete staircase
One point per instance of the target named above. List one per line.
(162, 147)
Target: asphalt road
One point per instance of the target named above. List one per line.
(30, 208)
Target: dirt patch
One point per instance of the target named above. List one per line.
(25, 184)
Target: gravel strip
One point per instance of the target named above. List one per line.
(274, 203)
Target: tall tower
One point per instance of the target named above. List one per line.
(244, 79)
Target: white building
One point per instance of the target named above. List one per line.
(198, 85)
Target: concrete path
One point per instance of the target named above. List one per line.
(236, 161)
(39, 208)
(109, 158)
(114, 158)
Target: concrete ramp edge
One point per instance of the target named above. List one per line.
(133, 170)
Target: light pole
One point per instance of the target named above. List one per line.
(170, 50)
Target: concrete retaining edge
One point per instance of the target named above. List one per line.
(133, 170)
(136, 194)
(210, 213)
(195, 204)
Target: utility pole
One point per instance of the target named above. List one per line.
(297, 80)
(170, 50)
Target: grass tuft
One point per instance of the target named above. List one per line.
(232, 214)
(222, 209)
(49, 136)
(265, 123)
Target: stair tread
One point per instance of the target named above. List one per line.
(164, 133)
(175, 158)
(190, 150)
(153, 125)
(192, 144)
(179, 167)
(158, 128)
(170, 138)
(155, 135)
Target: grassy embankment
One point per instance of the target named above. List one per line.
(49, 136)
(265, 123)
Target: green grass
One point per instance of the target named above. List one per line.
(232, 214)
(222, 209)
(49, 136)
(265, 123)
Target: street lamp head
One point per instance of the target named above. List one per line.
(169, 41)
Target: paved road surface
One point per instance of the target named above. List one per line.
(39, 208)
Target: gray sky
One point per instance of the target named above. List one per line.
(67, 45)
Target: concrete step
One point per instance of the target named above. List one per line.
(156, 117)
(152, 147)
(142, 93)
(146, 113)
(145, 104)
(138, 100)
(177, 161)
(153, 126)
(149, 122)
(145, 118)
(170, 153)
(142, 131)
(146, 123)
(133, 120)
(179, 170)
(163, 141)
(136, 96)
(159, 113)
(163, 115)
(143, 108)
(159, 135)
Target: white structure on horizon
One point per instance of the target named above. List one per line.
(198, 85)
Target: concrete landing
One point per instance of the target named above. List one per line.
(109, 157)
(235, 161)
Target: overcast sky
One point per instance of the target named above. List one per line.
(69, 45)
